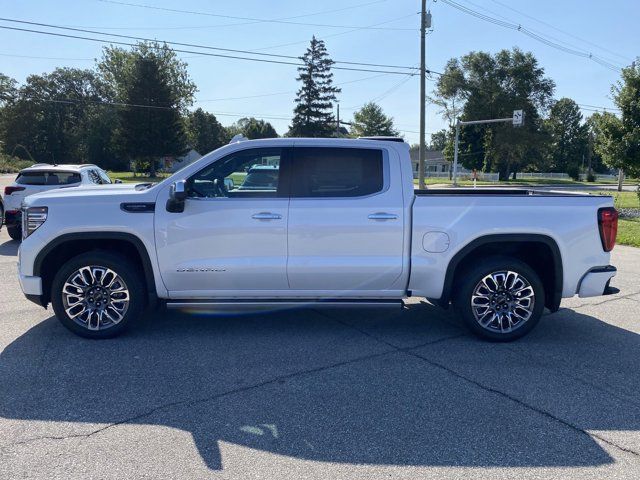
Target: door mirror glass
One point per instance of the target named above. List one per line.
(177, 196)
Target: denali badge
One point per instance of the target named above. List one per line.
(200, 270)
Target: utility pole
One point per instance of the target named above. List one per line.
(338, 122)
(422, 150)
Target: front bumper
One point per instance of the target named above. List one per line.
(596, 282)
(32, 288)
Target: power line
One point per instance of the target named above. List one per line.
(532, 34)
(45, 58)
(252, 19)
(191, 27)
(331, 35)
(234, 57)
(570, 45)
(285, 93)
(207, 47)
(596, 107)
(561, 31)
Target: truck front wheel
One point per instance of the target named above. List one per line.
(97, 294)
(499, 298)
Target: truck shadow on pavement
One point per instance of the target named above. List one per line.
(408, 388)
(9, 248)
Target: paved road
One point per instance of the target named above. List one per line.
(306, 394)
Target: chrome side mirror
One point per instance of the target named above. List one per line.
(117, 180)
(177, 196)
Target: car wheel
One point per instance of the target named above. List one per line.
(97, 294)
(15, 232)
(500, 298)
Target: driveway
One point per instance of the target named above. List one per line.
(327, 395)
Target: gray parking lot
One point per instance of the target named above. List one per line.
(322, 394)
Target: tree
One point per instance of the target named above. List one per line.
(8, 89)
(370, 120)
(118, 65)
(492, 86)
(617, 139)
(439, 140)
(569, 137)
(252, 128)
(204, 132)
(151, 124)
(61, 117)
(120, 70)
(314, 101)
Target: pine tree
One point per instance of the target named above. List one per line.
(313, 115)
(151, 124)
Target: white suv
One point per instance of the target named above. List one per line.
(40, 178)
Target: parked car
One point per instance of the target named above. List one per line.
(342, 226)
(43, 177)
(260, 177)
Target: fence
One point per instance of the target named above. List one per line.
(551, 175)
(487, 177)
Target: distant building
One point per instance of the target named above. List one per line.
(173, 164)
(434, 162)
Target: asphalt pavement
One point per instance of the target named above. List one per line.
(306, 394)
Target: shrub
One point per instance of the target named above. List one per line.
(10, 164)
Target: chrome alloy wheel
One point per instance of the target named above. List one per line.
(502, 301)
(95, 297)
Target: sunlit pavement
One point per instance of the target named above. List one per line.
(322, 394)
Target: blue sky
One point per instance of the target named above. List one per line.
(606, 29)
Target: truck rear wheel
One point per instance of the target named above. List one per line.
(97, 294)
(500, 298)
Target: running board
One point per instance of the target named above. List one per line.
(258, 305)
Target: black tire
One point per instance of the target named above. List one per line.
(469, 279)
(15, 232)
(119, 264)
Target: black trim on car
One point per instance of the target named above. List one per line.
(37, 299)
(138, 207)
(135, 241)
(553, 303)
(602, 269)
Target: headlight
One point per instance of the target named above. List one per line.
(32, 218)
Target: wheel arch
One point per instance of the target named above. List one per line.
(68, 245)
(522, 246)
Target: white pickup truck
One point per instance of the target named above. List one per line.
(281, 222)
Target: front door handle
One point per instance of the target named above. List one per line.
(383, 216)
(267, 216)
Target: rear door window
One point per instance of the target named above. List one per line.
(336, 172)
(48, 178)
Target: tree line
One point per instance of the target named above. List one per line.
(135, 106)
(555, 136)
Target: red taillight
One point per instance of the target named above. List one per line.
(608, 226)
(10, 190)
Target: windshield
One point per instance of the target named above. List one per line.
(44, 177)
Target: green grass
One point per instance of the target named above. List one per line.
(129, 178)
(622, 199)
(629, 232)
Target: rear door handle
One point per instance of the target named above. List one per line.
(267, 216)
(383, 216)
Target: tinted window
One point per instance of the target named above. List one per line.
(43, 177)
(336, 172)
(248, 173)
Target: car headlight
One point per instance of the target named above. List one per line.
(32, 218)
